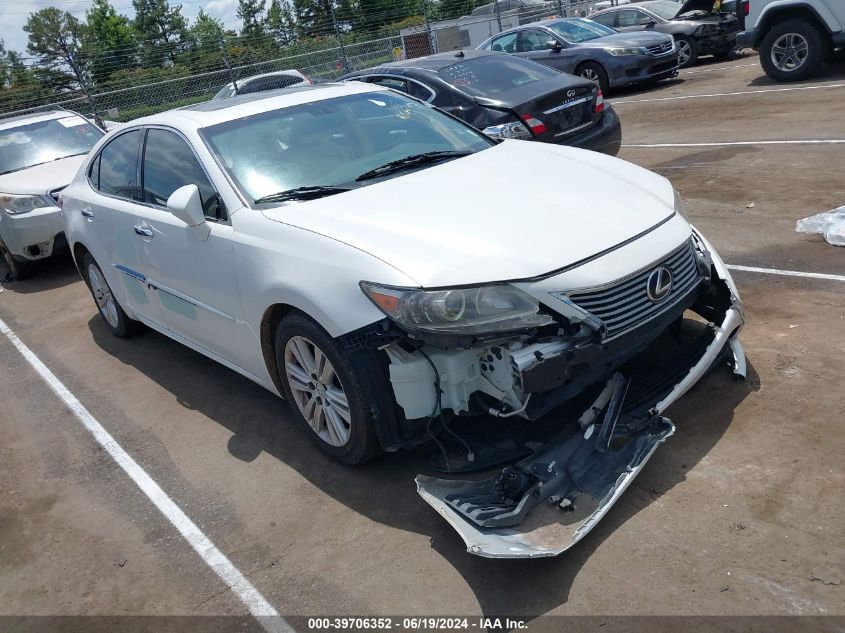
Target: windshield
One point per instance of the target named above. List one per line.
(45, 141)
(579, 30)
(330, 143)
(665, 9)
(492, 74)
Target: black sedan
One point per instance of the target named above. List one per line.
(507, 97)
(696, 28)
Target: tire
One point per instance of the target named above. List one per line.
(336, 405)
(594, 72)
(687, 51)
(780, 62)
(113, 315)
(17, 269)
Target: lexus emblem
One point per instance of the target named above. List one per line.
(659, 284)
(570, 94)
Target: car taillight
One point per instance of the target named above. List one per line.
(599, 102)
(59, 201)
(534, 124)
(747, 6)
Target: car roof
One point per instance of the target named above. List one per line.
(23, 119)
(208, 113)
(432, 62)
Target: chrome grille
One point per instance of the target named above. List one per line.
(624, 305)
(660, 49)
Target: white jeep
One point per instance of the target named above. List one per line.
(794, 37)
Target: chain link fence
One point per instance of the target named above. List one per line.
(130, 96)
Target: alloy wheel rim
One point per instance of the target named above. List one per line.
(683, 52)
(103, 296)
(317, 391)
(790, 51)
(589, 73)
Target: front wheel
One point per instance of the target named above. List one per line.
(594, 72)
(687, 51)
(325, 390)
(17, 270)
(792, 51)
(116, 319)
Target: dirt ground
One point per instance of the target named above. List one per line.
(740, 513)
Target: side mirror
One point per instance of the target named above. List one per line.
(647, 22)
(553, 45)
(185, 203)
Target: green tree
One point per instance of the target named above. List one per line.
(109, 41)
(280, 21)
(251, 14)
(55, 38)
(160, 30)
(205, 44)
(313, 17)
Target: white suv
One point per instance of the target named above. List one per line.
(39, 154)
(391, 271)
(794, 37)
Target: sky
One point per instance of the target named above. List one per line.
(13, 14)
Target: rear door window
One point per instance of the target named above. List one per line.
(630, 17)
(505, 43)
(118, 166)
(608, 19)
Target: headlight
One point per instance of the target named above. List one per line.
(679, 205)
(14, 205)
(617, 51)
(515, 129)
(477, 310)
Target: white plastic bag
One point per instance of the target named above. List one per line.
(831, 224)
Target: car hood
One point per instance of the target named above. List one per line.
(40, 179)
(626, 39)
(517, 210)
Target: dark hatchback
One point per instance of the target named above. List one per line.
(507, 97)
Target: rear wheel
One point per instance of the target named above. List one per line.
(594, 72)
(114, 316)
(687, 50)
(17, 269)
(792, 50)
(325, 390)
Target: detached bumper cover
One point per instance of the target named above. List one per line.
(38, 227)
(549, 501)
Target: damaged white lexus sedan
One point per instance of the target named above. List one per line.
(401, 278)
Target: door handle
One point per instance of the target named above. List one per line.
(140, 230)
(87, 213)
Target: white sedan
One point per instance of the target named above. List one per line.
(39, 155)
(394, 273)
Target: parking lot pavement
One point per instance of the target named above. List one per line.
(737, 514)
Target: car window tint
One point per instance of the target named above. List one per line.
(493, 74)
(390, 82)
(419, 91)
(629, 18)
(607, 19)
(119, 166)
(272, 82)
(169, 163)
(505, 44)
(534, 40)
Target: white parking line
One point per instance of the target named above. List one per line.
(728, 94)
(805, 142)
(785, 273)
(257, 605)
(712, 70)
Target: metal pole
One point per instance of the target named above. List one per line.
(498, 15)
(82, 84)
(228, 63)
(560, 13)
(431, 47)
(344, 60)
